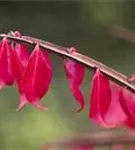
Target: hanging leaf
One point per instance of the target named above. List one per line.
(75, 74)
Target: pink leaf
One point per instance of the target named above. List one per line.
(105, 108)
(6, 66)
(18, 69)
(115, 115)
(22, 52)
(22, 102)
(127, 101)
(20, 57)
(132, 78)
(75, 74)
(100, 98)
(37, 78)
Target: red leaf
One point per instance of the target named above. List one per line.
(115, 115)
(105, 108)
(75, 74)
(23, 53)
(20, 57)
(127, 101)
(130, 123)
(6, 66)
(100, 98)
(21, 50)
(18, 69)
(37, 78)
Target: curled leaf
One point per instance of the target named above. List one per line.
(75, 74)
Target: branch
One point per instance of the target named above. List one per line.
(123, 33)
(87, 61)
(88, 139)
(97, 139)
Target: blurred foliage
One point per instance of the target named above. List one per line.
(87, 26)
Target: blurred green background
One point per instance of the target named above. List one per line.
(85, 25)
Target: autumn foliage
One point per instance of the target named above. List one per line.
(111, 105)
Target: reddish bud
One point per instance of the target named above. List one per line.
(18, 33)
(132, 78)
(37, 78)
(75, 74)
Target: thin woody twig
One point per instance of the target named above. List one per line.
(87, 61)
(89, 139)
(123, 33)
